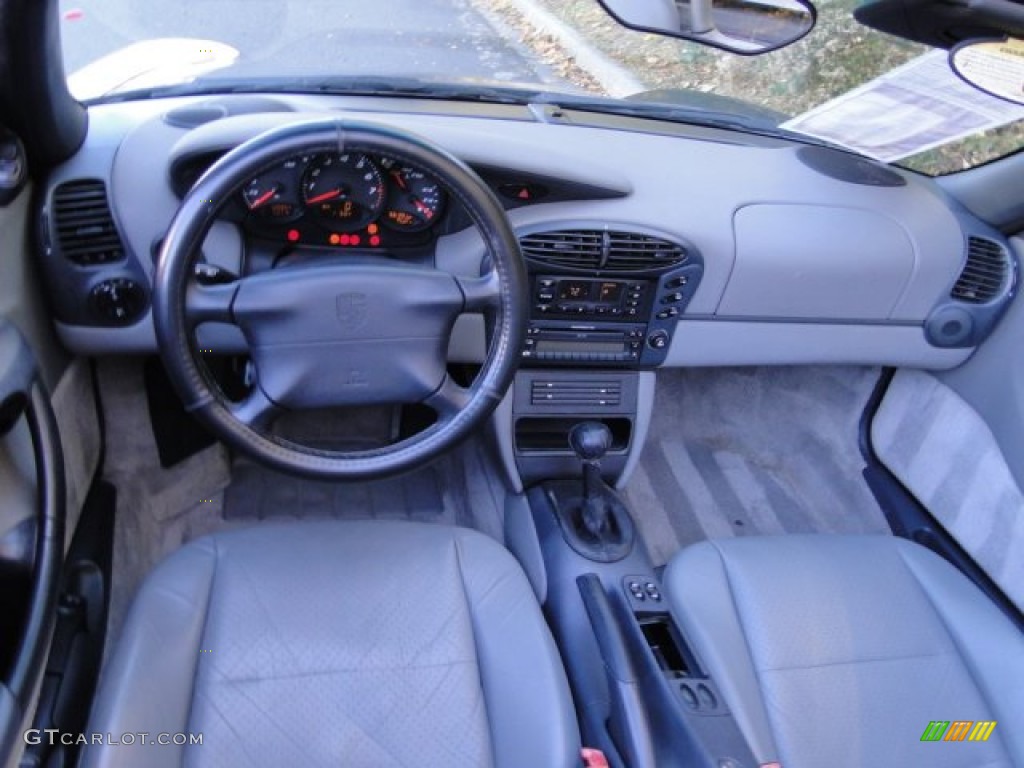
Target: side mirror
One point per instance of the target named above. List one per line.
(746, 27)
(993, 66)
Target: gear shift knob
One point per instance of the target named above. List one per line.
(590, 440)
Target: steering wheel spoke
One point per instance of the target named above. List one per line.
(209, 303)
(482, 294)
(256, 411)
(449, 398)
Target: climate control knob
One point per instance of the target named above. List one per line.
(658, 340)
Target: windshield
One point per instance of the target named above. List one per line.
(843, 83)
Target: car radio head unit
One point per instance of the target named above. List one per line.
(610, 321)
(573, 297)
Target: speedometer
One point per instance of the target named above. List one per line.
(345, 191)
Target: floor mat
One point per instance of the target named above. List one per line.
(461, 488)
(750, 451)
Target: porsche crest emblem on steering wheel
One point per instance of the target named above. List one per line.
(352, 310)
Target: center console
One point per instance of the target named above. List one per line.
(644, 698)
(604, 306)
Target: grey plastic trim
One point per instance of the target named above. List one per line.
(501, 425)
(719, 342)
(523, 541)
(646, 381)
(139, 338)
(800, 260)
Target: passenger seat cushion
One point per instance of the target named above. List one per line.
(839, 650)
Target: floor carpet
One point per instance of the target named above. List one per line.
(737, 452)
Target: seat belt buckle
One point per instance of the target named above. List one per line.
(593, 758)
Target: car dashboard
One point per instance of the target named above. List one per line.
(648, 243)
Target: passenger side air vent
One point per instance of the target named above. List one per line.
(585, 393)
(603, 251)
(85, 228)
(985, 274)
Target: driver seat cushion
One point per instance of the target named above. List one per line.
(839, 651)
(370, 643)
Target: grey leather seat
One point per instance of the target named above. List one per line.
(338, 644)
(840, 650)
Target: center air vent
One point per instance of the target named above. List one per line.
(85, 228)
(601, 250)
(985, 273)
(586, 393)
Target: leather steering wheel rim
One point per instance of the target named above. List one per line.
(505, 304)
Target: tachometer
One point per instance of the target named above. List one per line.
(275, 194)
(415, 200)
(346, 191)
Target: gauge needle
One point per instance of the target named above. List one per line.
(325, 196)
(422, 208)
(264, 198)
(399, 180)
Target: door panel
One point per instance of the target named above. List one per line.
(955, 440)
(33, 512)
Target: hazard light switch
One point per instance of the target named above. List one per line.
(523, 193)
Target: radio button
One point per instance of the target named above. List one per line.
(667, 313)
(545, 296)
(677, 282)
(672, 298)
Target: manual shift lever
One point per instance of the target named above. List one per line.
(590, 440)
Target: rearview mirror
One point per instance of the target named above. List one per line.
(993, 66)
(742, 26)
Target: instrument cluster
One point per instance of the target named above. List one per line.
(347, 199)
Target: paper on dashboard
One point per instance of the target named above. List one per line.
(913, 108)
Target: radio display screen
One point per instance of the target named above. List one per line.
(556, 345)
(574, 290)
(608, 293)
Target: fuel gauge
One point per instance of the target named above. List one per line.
(415, 199)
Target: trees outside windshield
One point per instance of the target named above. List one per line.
(553, 44)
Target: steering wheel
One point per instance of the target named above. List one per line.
(340, 334)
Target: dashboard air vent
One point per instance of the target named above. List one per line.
(576, 393)
(85, 227)
(984, 274)
(602, 250)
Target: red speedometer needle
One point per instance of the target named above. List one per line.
(264, 198)
(423, 209)
(325, 196)
(398, 179)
